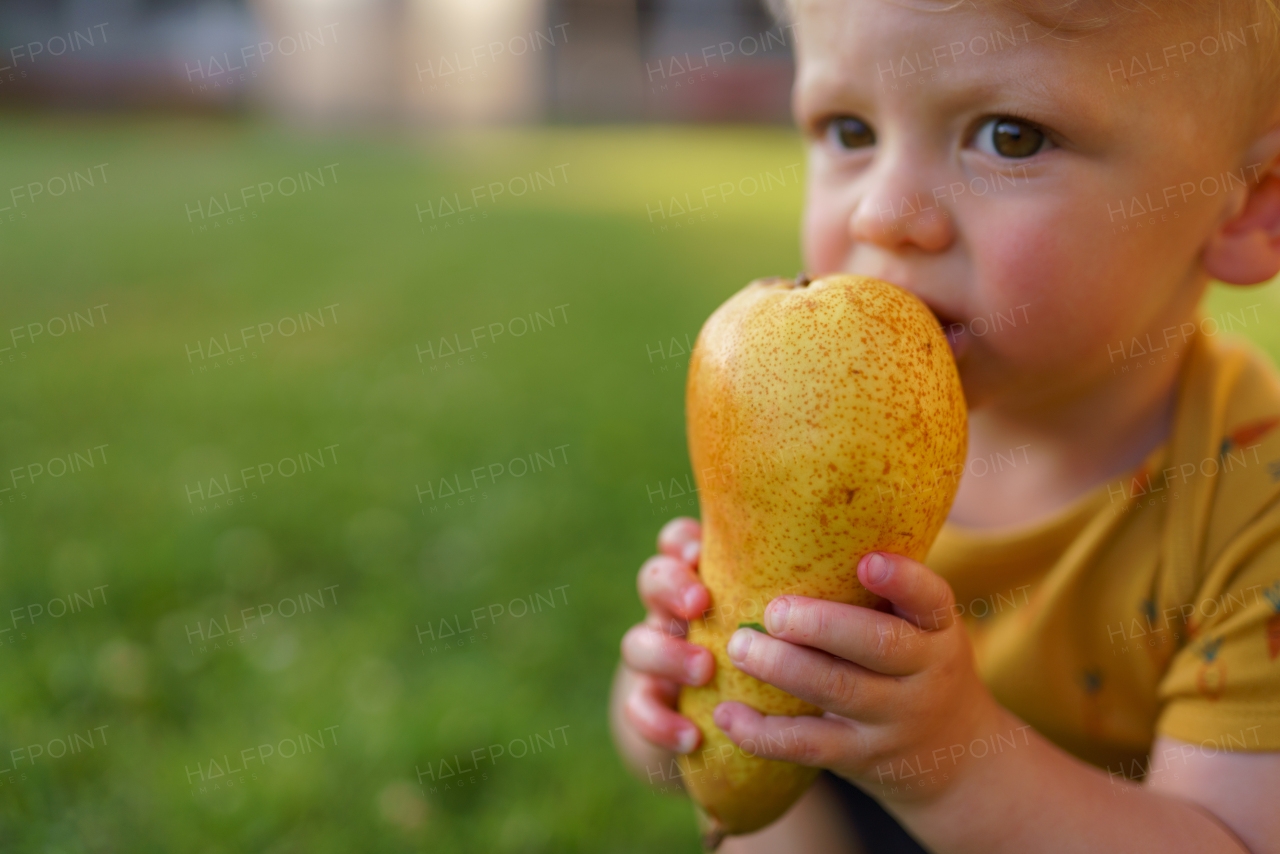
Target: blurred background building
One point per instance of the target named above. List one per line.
(403, 61)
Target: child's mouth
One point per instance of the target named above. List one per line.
(956, 332)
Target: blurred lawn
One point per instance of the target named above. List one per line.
(605, 385)
(603, 381)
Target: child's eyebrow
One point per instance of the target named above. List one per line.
(823, 93)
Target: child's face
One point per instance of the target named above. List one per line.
(1005, 186)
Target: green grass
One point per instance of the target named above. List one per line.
(580, 529)
(602, 385)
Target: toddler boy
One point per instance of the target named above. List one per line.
(1090, 659)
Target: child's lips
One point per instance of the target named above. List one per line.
(957, 338)
(956, 332)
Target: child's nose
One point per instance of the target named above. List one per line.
(897, 211)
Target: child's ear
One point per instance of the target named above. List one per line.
(1244, 249)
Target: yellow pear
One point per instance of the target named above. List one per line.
(825, 420)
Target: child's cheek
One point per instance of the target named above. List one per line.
(825, 239)
(1077, 283)
(1030, 291)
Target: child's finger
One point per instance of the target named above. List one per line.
(681, 538)
(669, 584)
(649, 650)
(830, 683)
(918, 593)
(649, 709)
(819, 742)
(876, 640)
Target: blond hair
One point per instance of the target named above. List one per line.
(1071, 18)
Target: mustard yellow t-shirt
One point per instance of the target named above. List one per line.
(1150, 605)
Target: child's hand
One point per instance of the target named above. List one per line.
(655, 649)
(895, 689)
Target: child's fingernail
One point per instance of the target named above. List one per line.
(776, 615)
(720, 717)
(739, 644)
(687, 740)
(691, 551)
(697, 668)
(877, 568)
(690, 599)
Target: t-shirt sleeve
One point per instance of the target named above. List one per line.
(1223, 684)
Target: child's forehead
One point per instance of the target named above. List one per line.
(1082, 23)
(1068, 18)
(878, 43)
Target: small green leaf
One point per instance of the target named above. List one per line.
(759, 628)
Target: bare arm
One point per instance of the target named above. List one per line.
(1239, 789)
(1037, 797)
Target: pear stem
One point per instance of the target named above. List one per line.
(802, 280)
(713, 832)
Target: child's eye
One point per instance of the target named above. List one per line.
(1005, 136)
(850, 132)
